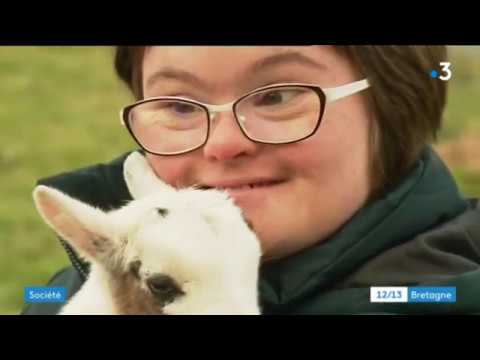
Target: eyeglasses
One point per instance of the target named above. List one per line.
(274, 114)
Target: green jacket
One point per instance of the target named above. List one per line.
(423, 233)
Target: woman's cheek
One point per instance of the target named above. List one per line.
(173, 170)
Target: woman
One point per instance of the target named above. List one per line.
(325, 149)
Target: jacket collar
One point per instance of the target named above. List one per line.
(427, 197)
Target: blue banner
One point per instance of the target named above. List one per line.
(45, 295)
(432, 294)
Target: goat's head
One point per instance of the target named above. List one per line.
(174, 252)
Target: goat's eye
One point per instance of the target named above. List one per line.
(162, 212)
(164, 288)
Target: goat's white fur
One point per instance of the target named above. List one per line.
(140, 179)
(203, 243)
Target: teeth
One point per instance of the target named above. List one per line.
(249, 186)
(245, 187)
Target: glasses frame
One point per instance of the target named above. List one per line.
(326, 95)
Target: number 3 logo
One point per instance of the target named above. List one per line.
(446, 69)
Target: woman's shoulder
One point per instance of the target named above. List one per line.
(447, 250)
(99, 184)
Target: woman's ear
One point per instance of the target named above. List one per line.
(140, 178)
(84, 227)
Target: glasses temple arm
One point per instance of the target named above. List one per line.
(339, 92)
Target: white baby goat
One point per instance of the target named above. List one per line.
(169, 251)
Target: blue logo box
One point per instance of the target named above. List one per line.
(44, 295)
(432, 294)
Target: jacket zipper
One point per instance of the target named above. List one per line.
(74, 260)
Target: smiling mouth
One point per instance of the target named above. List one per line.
(250, 186)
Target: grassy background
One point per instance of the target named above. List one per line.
(59, 111)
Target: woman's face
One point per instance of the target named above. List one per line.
(324, 179)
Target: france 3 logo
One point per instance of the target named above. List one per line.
(445, 72)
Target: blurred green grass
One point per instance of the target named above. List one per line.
(463, 108)
(59, 111)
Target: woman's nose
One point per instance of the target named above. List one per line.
(226, 139)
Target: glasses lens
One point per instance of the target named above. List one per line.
(169, 127)
(281, 114)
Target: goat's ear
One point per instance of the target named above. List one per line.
(140, 178)
(84, 227)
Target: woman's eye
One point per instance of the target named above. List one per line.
(275, 97)
(183, 108)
